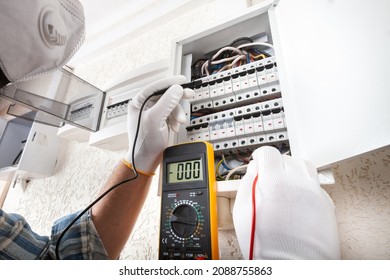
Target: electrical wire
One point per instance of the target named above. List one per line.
(57, 253)
(217, 169)
(196, 68)
(234, 170)
(255, 44)
(225, 161)
(243, 158)
(225, 59)
(241, 57)
(230, 56)
(17, 158)
(262, 56)
(238, 40)
(218, 53)
(225, 166)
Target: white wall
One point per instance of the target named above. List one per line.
(361, 192)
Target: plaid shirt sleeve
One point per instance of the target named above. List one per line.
(18, 241)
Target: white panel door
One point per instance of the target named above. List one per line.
(334, 65)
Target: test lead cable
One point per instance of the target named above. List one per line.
(114, 186)
(157, 93)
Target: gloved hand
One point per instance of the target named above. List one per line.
(159, 115)
(295, 217)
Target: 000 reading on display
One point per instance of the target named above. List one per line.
(186, 171)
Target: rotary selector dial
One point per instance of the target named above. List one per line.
(184, 220)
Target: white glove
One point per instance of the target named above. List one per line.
(295, 217)
(158, 116)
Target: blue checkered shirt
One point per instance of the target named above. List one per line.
(19, 242)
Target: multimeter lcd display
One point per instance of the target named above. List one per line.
(185, 171)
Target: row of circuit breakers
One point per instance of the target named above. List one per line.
(244, 106)
(237, 109)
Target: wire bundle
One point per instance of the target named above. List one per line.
(233, 166)
(233, 55)
(227, 166)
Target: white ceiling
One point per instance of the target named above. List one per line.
(101, 14)
(108, 22)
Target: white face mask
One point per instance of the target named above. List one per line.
(38, 36)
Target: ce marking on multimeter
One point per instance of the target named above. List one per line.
(188, 228)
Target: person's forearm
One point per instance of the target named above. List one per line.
(115, 215)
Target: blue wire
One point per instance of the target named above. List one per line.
(225, 166)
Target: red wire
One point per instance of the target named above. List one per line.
(252, 240)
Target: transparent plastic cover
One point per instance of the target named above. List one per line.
(55, 99)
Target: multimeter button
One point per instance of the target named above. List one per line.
(177, 255)
(189, 256)
(199, 193)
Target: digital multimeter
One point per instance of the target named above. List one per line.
(189, 226)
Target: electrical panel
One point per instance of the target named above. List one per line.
(238, 102)
(301, 97)
(309, 95)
